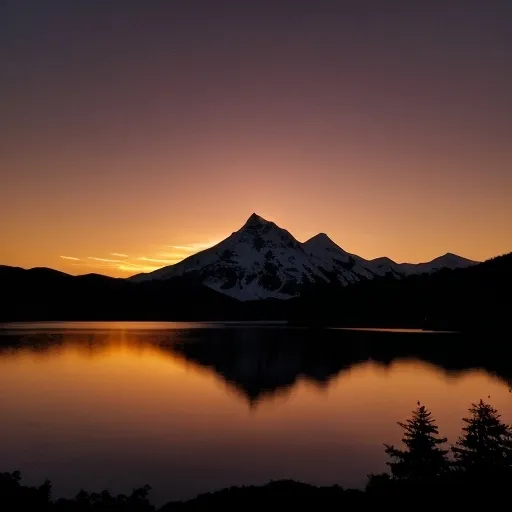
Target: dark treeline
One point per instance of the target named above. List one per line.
(474, 298)
(478, 297)
(475, 471)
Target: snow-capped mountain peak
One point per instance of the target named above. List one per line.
(321, 241)
(264, 234)
(256, 221)
(262, 260)
(258, 261)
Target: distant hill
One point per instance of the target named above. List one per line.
(478, 297)
(45, 294)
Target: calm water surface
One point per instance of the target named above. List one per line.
(190, 408)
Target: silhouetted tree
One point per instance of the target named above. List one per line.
(423, 457)
(486, 443)
(14, 496)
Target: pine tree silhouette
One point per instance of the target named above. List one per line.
(423, 458)
(486, 443)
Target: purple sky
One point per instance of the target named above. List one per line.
(131, 126)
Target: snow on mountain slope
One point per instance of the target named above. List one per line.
(262, 261)
(448, 260)
(333, 261)
(259, 261)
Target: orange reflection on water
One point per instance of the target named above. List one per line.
(114, 409)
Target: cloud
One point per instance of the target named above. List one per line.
(173, 254)
(105, 260)
(156, 260)
(92, 265)
(193, 247)
(123, 266)
(140, 268)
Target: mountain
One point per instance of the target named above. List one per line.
(476, 298)
(259, 261)
(335, 263)
(385, 265)
(263, 261)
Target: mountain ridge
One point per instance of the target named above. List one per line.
(264, 261)
(473, 299)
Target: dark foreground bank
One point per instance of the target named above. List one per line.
(475, 472)
(453, 491)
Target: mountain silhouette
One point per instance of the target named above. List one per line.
(477, 298)
(262, 261)
(473, 298)
(262, 363)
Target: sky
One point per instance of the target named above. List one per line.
(134, 133)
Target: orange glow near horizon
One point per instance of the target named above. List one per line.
(117, 409)
(143, 254)
(135, 136)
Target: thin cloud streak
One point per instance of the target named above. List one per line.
(106, 260)
(173, 255)
(92, 265)
(194, 247)
(156, 260)
(123, 266)
(140, 268)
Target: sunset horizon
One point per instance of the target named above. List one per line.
(252, 251)
(132, 128)
(118, 264)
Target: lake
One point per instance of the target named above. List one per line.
(190, 408)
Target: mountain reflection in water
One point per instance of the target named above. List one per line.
(192, 408)
(260, 366)
(260, 362)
